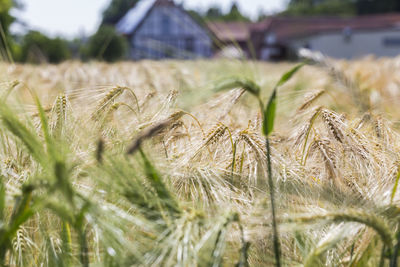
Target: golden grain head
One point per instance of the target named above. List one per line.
(310, 99)
(333, 124)
(335, 180)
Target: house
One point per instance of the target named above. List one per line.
(340, 37)
(232, 38)
(158, 29)
(279, 38)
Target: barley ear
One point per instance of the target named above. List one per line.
(310, 99)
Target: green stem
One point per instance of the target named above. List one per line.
(382, 259)
(307, 135)
(393, 260)
(3, 252)
(261, 104)
(272, 197)
(135, 97)
(84, 250)
(233, 160)
(242, 160)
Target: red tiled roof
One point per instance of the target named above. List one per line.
(230, 31)
(286, 28)
(291, 27)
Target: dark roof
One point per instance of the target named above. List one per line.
(134, 17)
(286, 28)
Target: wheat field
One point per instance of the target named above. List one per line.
(150, 164)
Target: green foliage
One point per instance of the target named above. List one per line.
(2, 198)
(232, 83)
(159, 187)
(5, 18)
(116, 10)
(288, 75)
(215, 13)
(331, 7)
(270, 109)
(106, 44)
(268, 112)
(377, 6)
(396, 184)
(341, 7)
(234, 14)
(37, 48)
(8, 49)
(269, 115)
(14, 125)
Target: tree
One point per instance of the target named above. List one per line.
(106, 44)
(235, 14)
(6, 19)
(7, 45)
(38, 48)
(321, 7)
(341, 7)
(213, 13)
(377, 6)
(116, 10)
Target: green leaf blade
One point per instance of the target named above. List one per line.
(288, 75)
(2, 198)
(160, 188)
(232, 83)
(27, 136)
(396, 184)
(269, 115)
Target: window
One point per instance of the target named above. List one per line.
(391, 41)
(347, 33)
(189, 44)
(271, 38)
(306, 45)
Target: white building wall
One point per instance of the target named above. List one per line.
(383, 43)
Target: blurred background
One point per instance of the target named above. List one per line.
(49, 31)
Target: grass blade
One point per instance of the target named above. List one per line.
(396, 184)
(2, 198)
(160, 188)
(30, 140)
(288, 75)
(269, 115)
(45, 128)
(232, 83)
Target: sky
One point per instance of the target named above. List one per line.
(71, 18)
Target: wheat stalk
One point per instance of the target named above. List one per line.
(368, 219)
(328, 154)
(154, 130)
(310, 99)
(11, 87)
(215, 134)
(317, 58)
(60, 110)
(333, 124)
(107, 100)
(255, 142)
(305, 131)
